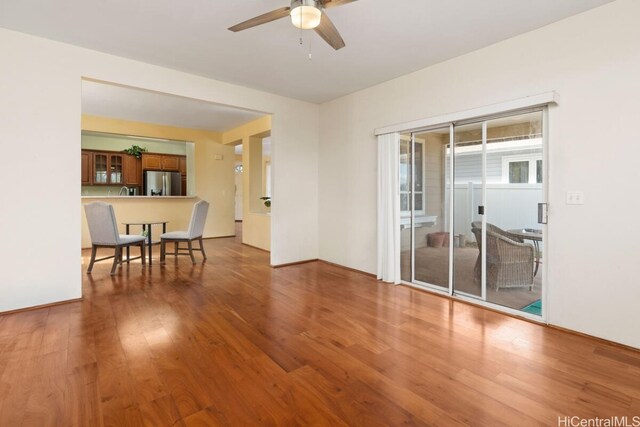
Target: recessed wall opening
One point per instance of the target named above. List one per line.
(153, 156)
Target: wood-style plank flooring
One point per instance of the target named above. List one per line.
(233, 342)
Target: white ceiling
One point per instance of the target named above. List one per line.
(385, 39)
(150, 107)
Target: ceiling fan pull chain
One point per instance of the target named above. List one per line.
(300, 40)
(301, 29)
(310, 39)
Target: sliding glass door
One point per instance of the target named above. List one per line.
(424, 210)
(468, 200)
(514, 196)
(472, 206)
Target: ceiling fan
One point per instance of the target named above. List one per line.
(305, 14)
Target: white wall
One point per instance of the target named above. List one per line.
(593, 61)
(40, 112)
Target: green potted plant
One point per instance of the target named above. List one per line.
(135, 150)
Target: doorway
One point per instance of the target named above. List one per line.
(253, 169)
(473, 201)
(238, 169)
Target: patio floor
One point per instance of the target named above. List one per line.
(432, 267)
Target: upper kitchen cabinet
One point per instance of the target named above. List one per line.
(132, 171)
(170, 163)
(85, 174)
(164, 162)
(183, 173)
(152, 161)
(108, 168)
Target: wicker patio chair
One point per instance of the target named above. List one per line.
(510, 262)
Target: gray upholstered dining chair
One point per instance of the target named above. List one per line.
(196, 228)
(104, 234)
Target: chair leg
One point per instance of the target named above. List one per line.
(94, 250)
(193, 259)
(142, 253)
(204, 255)
(175, 248)
(116, 259)
(163, 250)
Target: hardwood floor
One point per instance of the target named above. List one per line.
(234, 342)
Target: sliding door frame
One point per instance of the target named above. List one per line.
(412, 203)
(544, 108)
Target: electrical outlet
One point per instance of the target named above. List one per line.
(575, 198)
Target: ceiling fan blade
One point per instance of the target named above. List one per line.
(335, 3)
(262, 19)
(329, 33)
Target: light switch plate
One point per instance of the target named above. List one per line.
(575, 197)
(217, 157)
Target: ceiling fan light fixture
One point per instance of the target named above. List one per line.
(305, 14)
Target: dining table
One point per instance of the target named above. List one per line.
(147, 230)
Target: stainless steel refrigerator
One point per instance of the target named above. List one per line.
(158, 183)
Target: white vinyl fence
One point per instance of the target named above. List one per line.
(508, 206)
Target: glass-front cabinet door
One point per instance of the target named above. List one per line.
(108, 168)
(115, 169)
(100, 167)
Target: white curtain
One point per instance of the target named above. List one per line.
(389, 208)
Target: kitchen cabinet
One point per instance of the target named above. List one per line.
(117, 168)
(108, 168)
(170, 163)
(163, 162)
(152, 161)
(85, 174)
(183, 173)
(132, 171)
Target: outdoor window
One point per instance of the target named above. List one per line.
(405, 177)
(539, 171)
(522, 169)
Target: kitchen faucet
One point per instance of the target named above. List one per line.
(126, 190)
